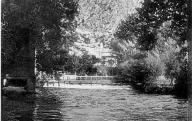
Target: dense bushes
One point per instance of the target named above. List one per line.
(177, 70)
(145, 72)
(181, 82)
(63, 61)
(139, 71)
(112, 71)
(162, 35)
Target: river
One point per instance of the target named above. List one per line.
(95, 103)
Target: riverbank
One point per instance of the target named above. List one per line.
(161, 85)
(153, 88)
(156, 88)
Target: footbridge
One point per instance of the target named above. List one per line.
(81, 80)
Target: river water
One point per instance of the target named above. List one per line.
(95, 103)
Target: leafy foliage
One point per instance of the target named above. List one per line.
(177, 70)
(62, 61)
(139, 70)
(155, 24)
(149, 18)
(103, 15)
(45, 24)
(86, 65)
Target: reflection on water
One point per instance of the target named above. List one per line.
(96, 103)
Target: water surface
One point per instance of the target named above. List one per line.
(96, 103)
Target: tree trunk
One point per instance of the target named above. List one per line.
(190, 58)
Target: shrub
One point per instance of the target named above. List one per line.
(181, 83)
(177, 70)
(139, 71)
(144, 72)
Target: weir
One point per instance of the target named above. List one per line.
(81, 80)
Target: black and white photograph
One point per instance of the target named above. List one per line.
(96, 60)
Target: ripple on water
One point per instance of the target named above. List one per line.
(98, 102)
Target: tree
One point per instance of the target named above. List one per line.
(45, 24)
(189, 9)
(148, 27)
(146, 21)
(86, 64)
(55, 61)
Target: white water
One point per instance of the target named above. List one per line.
(87, 86)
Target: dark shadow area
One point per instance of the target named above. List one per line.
(16, 82)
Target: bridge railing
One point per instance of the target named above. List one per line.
(79, 78)
(94, 77)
